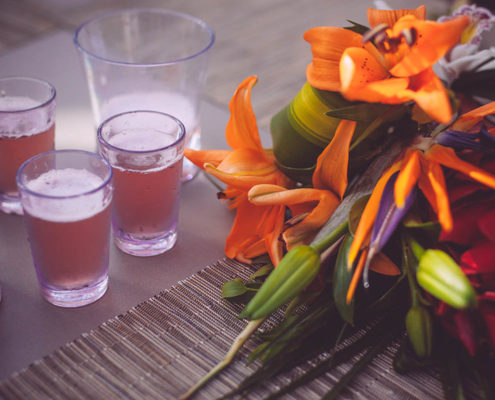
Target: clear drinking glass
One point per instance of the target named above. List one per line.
(145, 150)
(27, 128)
(147, 59)
(66, 196)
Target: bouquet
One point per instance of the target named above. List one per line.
(375, 205)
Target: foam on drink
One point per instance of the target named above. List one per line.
(64, 183)
(21, 117)
(134, 140)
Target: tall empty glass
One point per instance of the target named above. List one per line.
(27, 128)
(147, 59)
(66, 196)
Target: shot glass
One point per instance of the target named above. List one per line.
(66, 197)
(145, 150)
(27, 128)
(148, 59)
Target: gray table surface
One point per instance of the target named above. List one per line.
(30, 327)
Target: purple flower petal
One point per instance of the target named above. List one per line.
(481, 141)
(387, 220)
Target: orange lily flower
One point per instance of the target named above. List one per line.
(311, 207)
(241, 168)
(423, 167)
(397, 69)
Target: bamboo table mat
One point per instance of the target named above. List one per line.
(159, 348)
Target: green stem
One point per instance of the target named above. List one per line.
(327, 241)
(416, 248)
(239, 341)
(410, 271)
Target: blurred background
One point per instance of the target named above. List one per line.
(254, 37)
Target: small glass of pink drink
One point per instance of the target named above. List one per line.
(66, 197)
(145, 150)
(27, 128)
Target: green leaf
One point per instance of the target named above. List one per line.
(291, 149)
(359, 112)
(356, 212)
(341, 280)
(233, 288)
(391, 113)
(303, 175)
(262, 272)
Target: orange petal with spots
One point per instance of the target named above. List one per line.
(358, 68)
(369, 213)
(434, 40)
(468, 120)
(390, 17)
(446, 156)
(407, 178)
(331, 166)
(242, 130)
(327, 45)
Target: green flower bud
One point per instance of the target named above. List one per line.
(420, 330)
(294, 273)
(439, 275)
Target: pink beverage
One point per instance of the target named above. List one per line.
(172, 102)
(70, 255)
(27, 128)
(14, 150)
(67, 215)
(146, 203)
(145, 150)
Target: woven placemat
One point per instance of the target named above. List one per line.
(159, 348)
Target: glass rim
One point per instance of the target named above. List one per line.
(52, 96)
(24, 188)
(104, 142)
(182, 15)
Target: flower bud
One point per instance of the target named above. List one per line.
(420, 330)
(294, 273)
(439, 275)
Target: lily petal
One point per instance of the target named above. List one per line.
(446, 156)
(332, 163)
(434, 40)
(390, 17)
(326, 202)
(200, 157)
(241, 131)
(430, 95)
(369, 213)
(245, 232)
(408, 176)
(468, 120)
(327, 45)
(357, 68)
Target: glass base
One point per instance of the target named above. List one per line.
(10, 204)
(189, 171)
(145, 248)
(75, 297)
